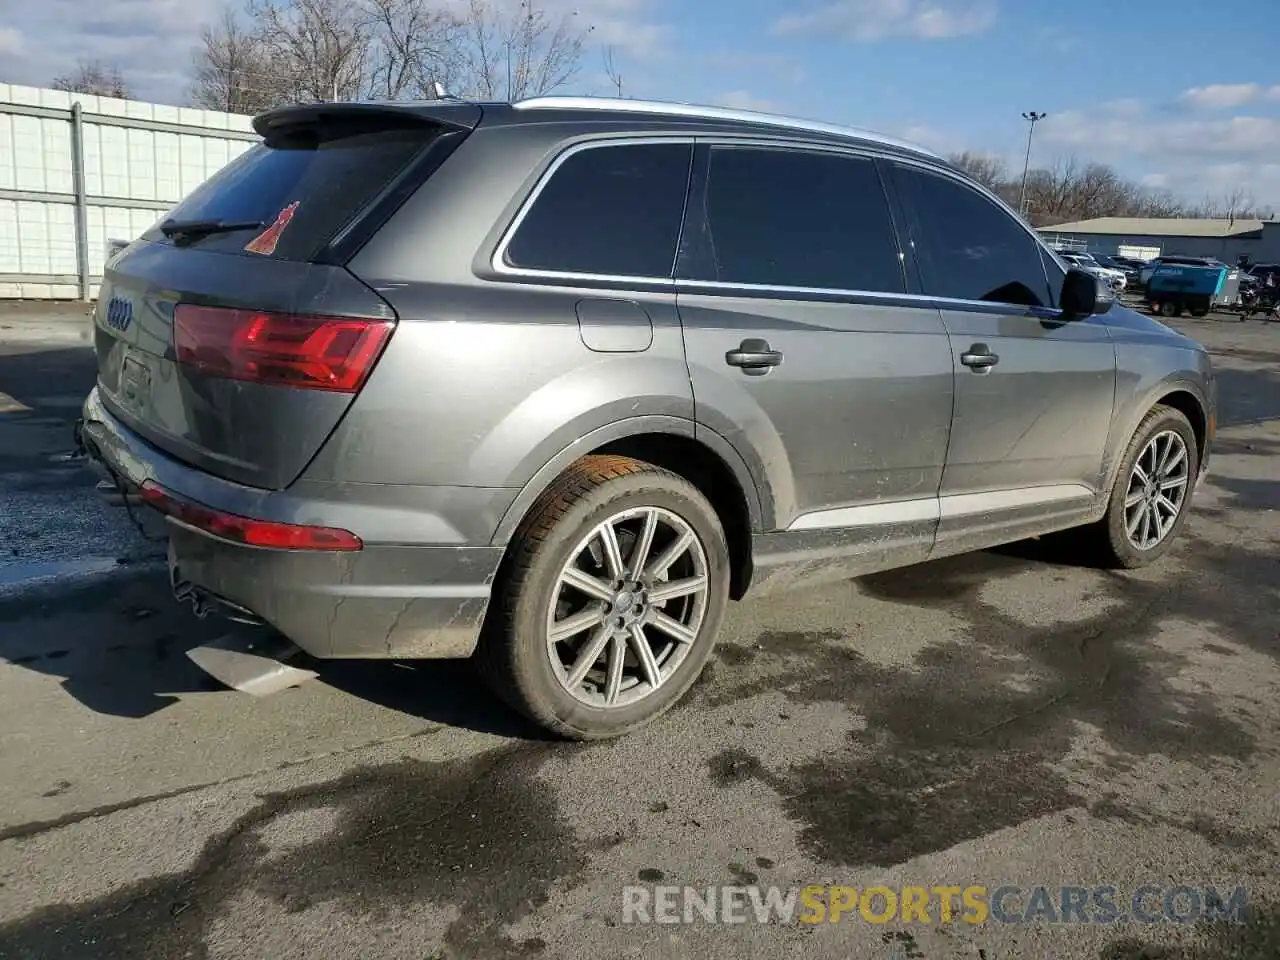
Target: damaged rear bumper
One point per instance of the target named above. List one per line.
(402, 599)
(384, 601)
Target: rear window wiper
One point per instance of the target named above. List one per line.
(193, 229)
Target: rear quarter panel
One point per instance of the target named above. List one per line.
(487, 382)
(481, 390)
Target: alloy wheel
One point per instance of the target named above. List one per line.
(1157, 490)
(627, 607)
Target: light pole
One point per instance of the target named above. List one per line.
(1032, 118)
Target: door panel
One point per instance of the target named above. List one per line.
(858, 411)
(806, 352)
(1040, 415)
(1033, 391)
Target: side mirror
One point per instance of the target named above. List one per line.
(1084, 295)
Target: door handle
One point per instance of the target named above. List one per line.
(979, 357)
(754, 356)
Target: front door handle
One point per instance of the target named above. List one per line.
(979, 357)
(754, 356)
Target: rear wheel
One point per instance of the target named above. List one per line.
(612, 598)
(1171, 308)
(1151, 494)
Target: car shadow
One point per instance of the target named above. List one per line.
(439, 691)
(118, 646)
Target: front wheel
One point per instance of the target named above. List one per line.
(611, 599)
(1152, 492)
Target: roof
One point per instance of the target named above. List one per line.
(699, 112)
(1158, 227)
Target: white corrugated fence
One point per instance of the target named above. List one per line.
(79, 171)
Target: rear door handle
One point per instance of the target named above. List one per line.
(979, 357)
(754, 356)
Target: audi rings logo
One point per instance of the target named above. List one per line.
(119, 313)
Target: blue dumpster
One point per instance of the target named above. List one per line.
(1175, 287)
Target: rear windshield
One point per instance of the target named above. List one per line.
(302, 185)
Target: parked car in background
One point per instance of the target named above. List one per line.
(549, 383)
(1130, 263)
(1113, 278)
(1114, 263)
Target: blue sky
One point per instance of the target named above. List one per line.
(1182, 94)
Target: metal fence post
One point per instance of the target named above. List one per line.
(81, 206)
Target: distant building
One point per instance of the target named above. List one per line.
(1148, 237)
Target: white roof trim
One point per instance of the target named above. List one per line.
(665, 108)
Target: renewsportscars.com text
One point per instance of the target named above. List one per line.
(971, 904)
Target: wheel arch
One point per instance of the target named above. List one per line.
(706, 460)
(1190, 406)
(1180, 395)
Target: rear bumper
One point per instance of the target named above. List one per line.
(397, 597)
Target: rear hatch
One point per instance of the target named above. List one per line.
(230, 335)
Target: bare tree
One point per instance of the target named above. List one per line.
(611, 70)
(322, 46)
(233, 72)
(505, 50)
(412, 48)
(988, 170)
(290, 50)
(94, 77)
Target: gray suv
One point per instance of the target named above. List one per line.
(549, 383)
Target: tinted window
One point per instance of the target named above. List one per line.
(968, 247)
(796, 219)
(308, 181)
(608, 210)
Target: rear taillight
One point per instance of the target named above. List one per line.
(317, 353)
(238, 529)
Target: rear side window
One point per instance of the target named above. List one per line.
(612, 210)
(330, 172)
(968, 247)
(794, 218)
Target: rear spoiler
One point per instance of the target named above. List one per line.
(459, 115)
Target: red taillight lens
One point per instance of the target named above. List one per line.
(255, 533)
(317, 353)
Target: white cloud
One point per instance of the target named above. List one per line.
(1240, 135)
(869, 20)
(10, 41)
(1195, 156)
(929, 137)
(744, 100)
(1124, 107)
(1224, 96)
(151, 41)
(624, 24)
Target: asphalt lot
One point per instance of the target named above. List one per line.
(1000, 718)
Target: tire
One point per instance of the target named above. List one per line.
(1108, 541)
(1171, 308)
(564, 527)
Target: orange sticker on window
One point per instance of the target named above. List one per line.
(265, 242)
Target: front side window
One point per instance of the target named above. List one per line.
(611, 210)
(968, 247)
(793, 218)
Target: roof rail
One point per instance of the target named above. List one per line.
(672, 109)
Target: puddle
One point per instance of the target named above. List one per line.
(22, 573)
